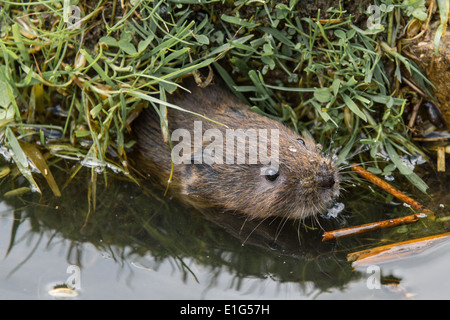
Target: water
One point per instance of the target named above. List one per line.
(137, 245)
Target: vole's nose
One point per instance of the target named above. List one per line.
(326, 182)
(325, 178)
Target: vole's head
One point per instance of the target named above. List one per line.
(291, 179)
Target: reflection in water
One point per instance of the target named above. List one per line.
(136, 228)
(132, 225)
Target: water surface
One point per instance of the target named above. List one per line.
(137, 244)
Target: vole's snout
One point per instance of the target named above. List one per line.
(326, 182)
(325, 178)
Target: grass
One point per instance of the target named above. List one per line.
(72, 93)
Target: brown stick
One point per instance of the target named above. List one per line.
(387, 187)
(441, 159)
(394, 250)
(345, 232)
(414, 114)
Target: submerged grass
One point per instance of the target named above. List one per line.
(75, 74)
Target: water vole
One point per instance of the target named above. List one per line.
(299, 182)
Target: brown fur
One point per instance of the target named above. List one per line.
(307, 180)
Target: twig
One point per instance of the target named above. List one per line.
(345, 232)
(441, 159)
(414, 113)
(387, 187)
(394, 250)
(414, 87)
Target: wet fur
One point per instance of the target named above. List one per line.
(239, 187)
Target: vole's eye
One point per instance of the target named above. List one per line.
(272, 175)
(301, 141)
